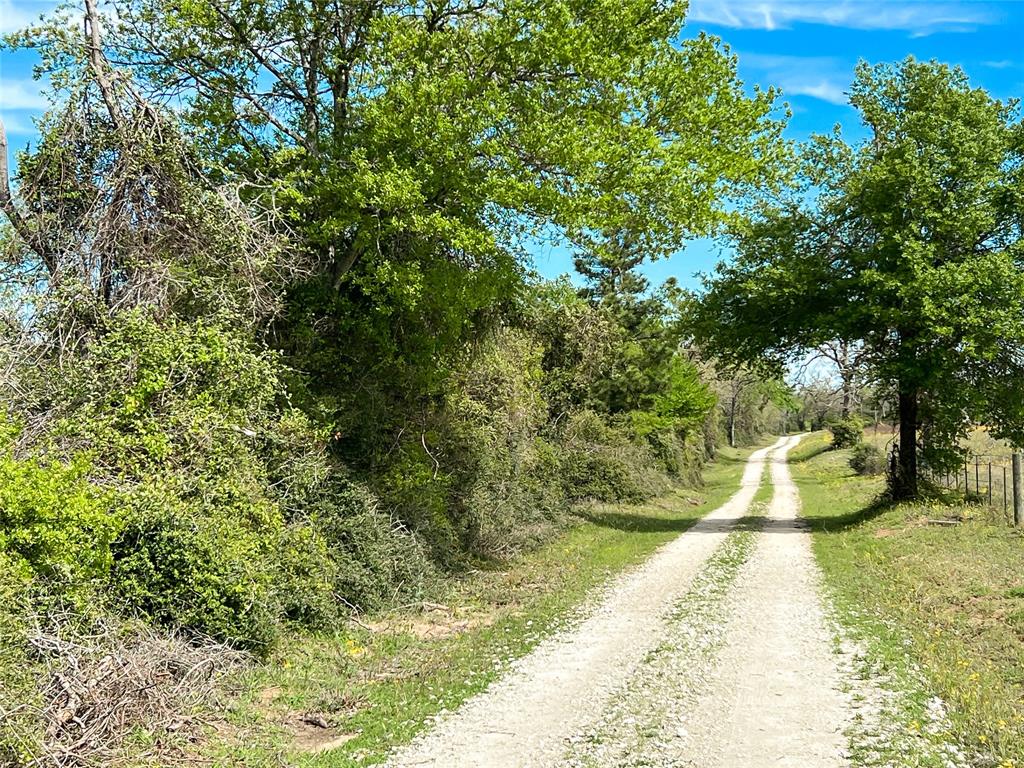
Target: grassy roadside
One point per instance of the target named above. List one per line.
(938, 608)
(376, 682)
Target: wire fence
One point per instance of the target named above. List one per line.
(989, 480)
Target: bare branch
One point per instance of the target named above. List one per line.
(33, 238)
(98, 62)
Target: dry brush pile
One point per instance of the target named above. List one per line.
(111, 692)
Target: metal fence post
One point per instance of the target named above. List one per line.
(990, 483)
(1018, 491)
(1004, 491)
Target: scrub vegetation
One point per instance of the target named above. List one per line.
(272, 352)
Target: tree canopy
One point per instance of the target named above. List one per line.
(907, 243)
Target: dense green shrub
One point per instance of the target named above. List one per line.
(474, 477)
(847, 432)
(156, 396)
(578, 342)
(601, 462)
(54, 524)
(374, 561)
(507, 486)
(304, 576)
(867, 459)
(226, 514)
(419, 491)
(201, 568)
(679, 454)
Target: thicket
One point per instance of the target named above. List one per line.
(262, 367)
(867, 459)
(848, 432)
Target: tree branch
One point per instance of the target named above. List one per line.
(98, 63)
(33, 239)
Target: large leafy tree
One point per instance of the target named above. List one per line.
(418, 147)
(458, 122)
(907, 244)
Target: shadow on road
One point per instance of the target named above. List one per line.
(622, 521)
(647, 524)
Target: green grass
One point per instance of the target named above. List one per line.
(810, 446)
(377, 682)
(939, 608)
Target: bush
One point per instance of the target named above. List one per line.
(678, 453)
(506, 482)
(202, 568)
(373, 561)
(420, 493)
(227, 517)
(867, 459)
(53, 523)
(847, 432)
(474, 477)
(601, 463)
(304, 578)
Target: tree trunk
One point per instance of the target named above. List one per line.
(905, 481)
(846, 374)
(732, 421)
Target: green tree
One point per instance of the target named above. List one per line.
(649, 332)
(907, 244)
(417, 147)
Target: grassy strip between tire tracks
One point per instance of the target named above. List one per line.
(938, 608)
(377, 682)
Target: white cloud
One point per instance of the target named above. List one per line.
(20, 94)
(15, 125)
(914, 17)
(820, 77)
(826, 90)
(1002, 64)
(18, 14)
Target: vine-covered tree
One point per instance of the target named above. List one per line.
(908, 245)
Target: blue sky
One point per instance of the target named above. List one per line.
(806, 47)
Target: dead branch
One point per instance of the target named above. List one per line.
(98, 62)
(104, 681)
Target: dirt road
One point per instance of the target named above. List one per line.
(715, 652)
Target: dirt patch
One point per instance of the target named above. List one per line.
(313, 734)
(266, 698)
(884, 533)
(432, 625)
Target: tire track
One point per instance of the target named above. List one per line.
(524, 719)
(777, 698)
